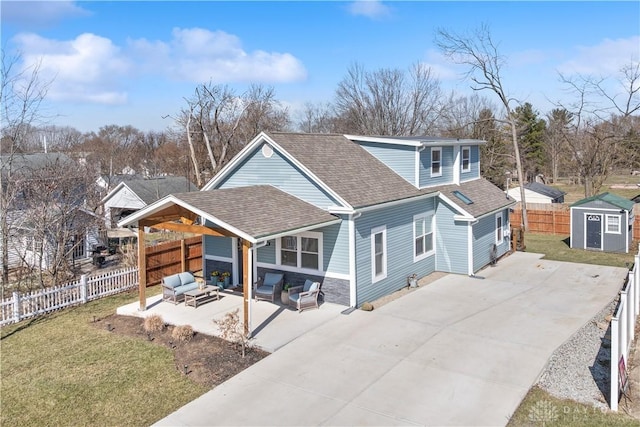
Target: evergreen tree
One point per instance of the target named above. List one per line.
(531, 135)
(495, 159)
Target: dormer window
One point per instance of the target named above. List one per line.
(436, 161)
(466, 159)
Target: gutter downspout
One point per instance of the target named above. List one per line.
(353, 295)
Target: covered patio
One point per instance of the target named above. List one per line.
(250, 216)
(273, 324)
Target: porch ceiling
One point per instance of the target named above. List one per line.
(254, 213)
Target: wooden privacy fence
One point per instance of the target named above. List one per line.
(622, 334)
(173, 257)
(555, 218)
(87, 288)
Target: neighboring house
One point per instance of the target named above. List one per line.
(132, 194)
(359, 214)
(603, 222)
(45, 211)
(536, 192)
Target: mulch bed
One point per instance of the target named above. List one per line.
(206, 359)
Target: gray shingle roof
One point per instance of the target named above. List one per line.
(486, 197)
(347, 168)
(545, 190)
(152, 189)
(258, 211)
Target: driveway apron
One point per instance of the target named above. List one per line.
(459, 351)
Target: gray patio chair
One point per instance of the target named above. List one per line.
(269, 288)
(305, 296)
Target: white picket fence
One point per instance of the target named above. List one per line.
(87, 288)
(622, 333)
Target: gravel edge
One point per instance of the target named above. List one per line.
(579, 368)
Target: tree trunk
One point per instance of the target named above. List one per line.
(516, 150)
(194, 160)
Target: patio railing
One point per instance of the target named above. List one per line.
(87, 288)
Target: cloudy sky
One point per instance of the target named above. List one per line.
(133, 63)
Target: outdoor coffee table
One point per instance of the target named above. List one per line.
(195, 296)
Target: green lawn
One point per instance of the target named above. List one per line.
(538, 408)
(557, 248)
(61, 370)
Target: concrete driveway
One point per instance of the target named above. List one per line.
(459, 351)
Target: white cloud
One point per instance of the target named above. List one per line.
(86, 68)
(93, 69)
(605, 58)
(199, 55)
(370, 8)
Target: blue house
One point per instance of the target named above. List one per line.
(358, 214)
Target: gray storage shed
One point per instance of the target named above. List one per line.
(603, 222)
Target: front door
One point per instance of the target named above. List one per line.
(594, 231)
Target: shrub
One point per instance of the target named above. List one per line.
(232, 330)
(366, 306)
(183, 333)
(153, 323)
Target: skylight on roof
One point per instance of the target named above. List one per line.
(465, 199)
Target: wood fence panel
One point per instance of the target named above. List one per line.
(165, 258)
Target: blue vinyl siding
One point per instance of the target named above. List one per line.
(426, 180)
(484, 236)
(611, 242)
(267, 254)
(279, 172)
(401, 159)
(218, 246)
(474, 165)
(451, 241)
(336, 247)
(399, 251)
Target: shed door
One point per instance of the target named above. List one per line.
(594, 231)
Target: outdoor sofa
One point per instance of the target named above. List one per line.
(174, 286)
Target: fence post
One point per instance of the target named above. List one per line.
(83, 289)
(613, 393)
(631, 289)
(16, 306)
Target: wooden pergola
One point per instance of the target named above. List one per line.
(253, 215)
(182, 220)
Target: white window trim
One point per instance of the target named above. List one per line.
(423, 216)
(374, 231)
(462, 150)
(311, 234)
(606, 224)
(499, 240)
(439, 150)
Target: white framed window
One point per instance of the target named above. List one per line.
(422, 236)
(499, 230)
(303, 251)
(466, 159)
(612, 224)
(436, 161)
(378, 253)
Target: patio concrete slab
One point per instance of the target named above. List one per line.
(459, 351)
(273, 325)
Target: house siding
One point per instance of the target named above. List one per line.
(398, 221)
(451, 241)
(279, 172)
(401, 159)
(484, 236)
(218, 246)
(426, 180)
(474, 165)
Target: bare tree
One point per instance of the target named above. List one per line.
(558, 124)
(479, 52)
(318, 118)
(21, 95)
(389, 101)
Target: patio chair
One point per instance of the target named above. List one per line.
(305, 296)
(269, 288)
